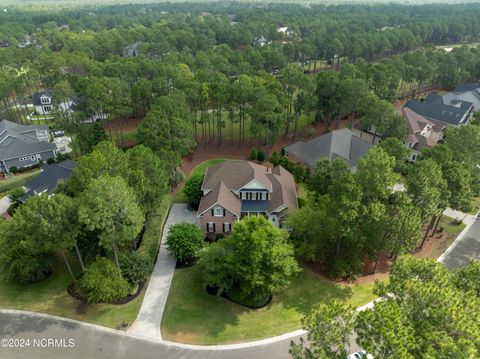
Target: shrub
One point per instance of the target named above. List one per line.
(28, 268)
(254, 154)
(12, 208)
(13, 169)
(101, 282)
(135, 267)
(301, 202)
(16, 193)
(309, 132)
(275, 159)
(62, 157)
(50, 160)
(153, 229)
(261, 156)
(184, 241)
(193, 190)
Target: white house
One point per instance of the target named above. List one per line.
(44, 105)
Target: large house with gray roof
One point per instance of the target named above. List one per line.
(235, 188)
(341, 144)
(446, 110)
(24, 146)
(468, 92)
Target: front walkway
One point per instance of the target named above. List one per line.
(150, 315)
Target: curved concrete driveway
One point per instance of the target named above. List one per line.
(96, 342)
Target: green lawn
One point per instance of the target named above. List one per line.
(17, 180)
(449, 225)
(301, 192)
(193, 316)
(202, 167)
(199, 170)
(50, 296)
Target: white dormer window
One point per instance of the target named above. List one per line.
(218, 212)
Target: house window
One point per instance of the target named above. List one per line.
(243, 195)
(210, 227)
(227, 227)
(414, 157)
(218, 212)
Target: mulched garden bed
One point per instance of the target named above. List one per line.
(214, 291)
(73, 292)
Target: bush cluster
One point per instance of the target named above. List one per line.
(299, 172)
(101, 282)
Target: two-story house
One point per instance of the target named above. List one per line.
(422, 132)
(24, 146)
(235, 188)
(44, 104)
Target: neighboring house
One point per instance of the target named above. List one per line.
(234, 189)
(468, 92)
(46, 182)
(24, 146)
(132, 50)
(43, 102)
(260, 41)
(336, 144)
(444, 110)
(285, 30)
(422, 132)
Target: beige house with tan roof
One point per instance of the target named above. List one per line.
(234, 189)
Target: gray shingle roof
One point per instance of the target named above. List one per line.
(18, 140)
(47, 180)
(36, 96)
(336, 144)
(434, 107)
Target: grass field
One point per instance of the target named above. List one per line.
(193, 316)
(17, 180)
(50, 296)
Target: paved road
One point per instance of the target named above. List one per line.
(150, 315)
(95, 342)
(4, 204)
(464, 249)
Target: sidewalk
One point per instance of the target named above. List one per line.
(150, 315)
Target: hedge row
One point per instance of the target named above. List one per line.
(154, 227)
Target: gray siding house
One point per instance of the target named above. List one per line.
(24, 146)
